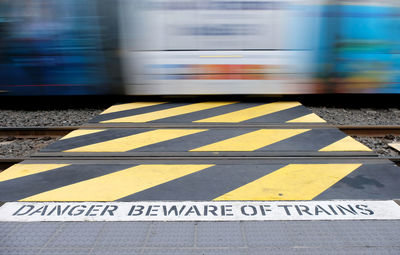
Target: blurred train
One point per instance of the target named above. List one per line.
(177, 47)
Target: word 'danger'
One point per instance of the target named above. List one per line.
(199, 211)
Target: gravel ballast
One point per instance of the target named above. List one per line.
(381, 145)
(77, 117)
(46, 118)
(11, 147)
(363, 116)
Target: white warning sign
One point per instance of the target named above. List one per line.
(199, 211)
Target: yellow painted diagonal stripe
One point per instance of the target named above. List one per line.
(171, 112)
(309, 118)
(346, 144)
(130, 106)
(251, 113)
(136, 141)
(292, 182)
(21, 170)
(119, 184)
(222, 56)
(81, 132)
(252, 141)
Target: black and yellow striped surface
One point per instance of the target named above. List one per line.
(208, 142)
(200, 152)
(205, 113)
(199, 180)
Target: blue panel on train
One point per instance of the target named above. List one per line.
(360, 51)
(51, 48)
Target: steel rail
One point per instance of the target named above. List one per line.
(354, 130)
(8, 162)
(33, 132)
(372, 131)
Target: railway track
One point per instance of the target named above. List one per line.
(29, 132)
(8, 162)
(35, 132)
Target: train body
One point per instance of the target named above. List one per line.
(185, 47)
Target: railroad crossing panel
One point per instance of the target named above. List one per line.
(290, 141)
(300, 162)
(200, 180)
(206, 113)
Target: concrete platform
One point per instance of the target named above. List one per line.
(201, 238)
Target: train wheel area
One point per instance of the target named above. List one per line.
(202, 178)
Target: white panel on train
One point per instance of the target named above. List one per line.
(218, 46)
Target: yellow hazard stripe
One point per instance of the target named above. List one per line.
(81, 132)
(346, 144)
(171, 112)
(21, 170)
(130, 106)
(222, 56)
(252, 141)
(136, 141)
(251, 113)
(292, 182)
(309, 118)
(117, 185)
